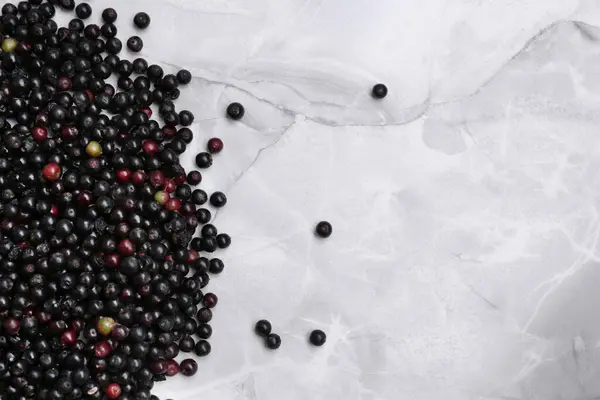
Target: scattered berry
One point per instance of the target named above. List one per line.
(317, 337)
(273, 341)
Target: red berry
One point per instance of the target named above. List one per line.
(157, 179)
(64, 83)
(172, 368)
(69, 132)
(39, 133)
(170, 186)
(173, 204)
(192, 256)
(102, 349)
(84, 198)
(123, 175)
(126, 247)
(138, 177)
(180, 180)
(77, 325)
(169, 131)
(112, 260)
(52, 172)
(215, 145)
(147, 111)
(150, 147)
(54, 209)
(113, 391)
(11, 326)
(68, 338)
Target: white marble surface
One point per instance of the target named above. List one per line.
(464, 263)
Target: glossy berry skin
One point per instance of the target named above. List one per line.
(204, 331)
(210, 300)
(93, 149)
(52, 171)
(223, 240)
(184, 76)
(202, 349)
(141, 20)
(263, 328)
(204, 160)
(135, 44)
(102, 349)
(214, 145)
(11, 326)
(83, 11)
(172, 368)
(109, 15)
(188, 367)
(68, 338)
(39, 133)
(235, 111)
(105, 325)
(323, 229)
(218, 199)
(194, 178)
(113, 391)
(273, 341)
(317, 337)
(379, 91)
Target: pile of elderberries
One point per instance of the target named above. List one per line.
(101, 278)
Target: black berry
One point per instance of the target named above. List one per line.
(263, 327)
(273, 341)
(324, 229)
(235, 111)
(317, 337)
(379, 91)
(141, 20)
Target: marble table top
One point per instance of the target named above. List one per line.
(464, 263)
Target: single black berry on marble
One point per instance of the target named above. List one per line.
(141, 20)
(109, 15)
(202, 348)
(83, 10)
(184, 76)
(235, 111)
(379, 91)
(273, 341)
(135, 44)
(317, 337)
(218, 199)
(204, 160)
(323, 229)
(263, 327)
